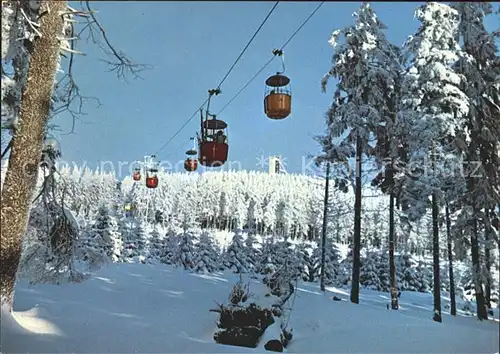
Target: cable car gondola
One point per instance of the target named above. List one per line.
(136, 175)
(129, 209)
(278, 93)
(213, 147)
(191, 164)
(151, 172)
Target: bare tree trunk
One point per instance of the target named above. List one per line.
(27, 143)
(323, 234)
(453, 303)
(392, 263)
(482, 313)
(435, 251)
(356, 264)
(487, 258)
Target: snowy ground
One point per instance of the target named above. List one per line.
(139, 308)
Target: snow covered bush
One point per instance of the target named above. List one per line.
(240, 324)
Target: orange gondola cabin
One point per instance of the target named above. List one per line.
(278, 94)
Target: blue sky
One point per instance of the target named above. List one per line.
(190, 46)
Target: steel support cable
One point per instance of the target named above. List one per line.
(224, 78)
(182, 127)
(181, 147)
(248, 44)
(272, 58)
(246, 85)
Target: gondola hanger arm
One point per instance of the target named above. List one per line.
(215, 91)
(279, 52)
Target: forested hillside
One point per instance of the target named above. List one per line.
(242, 221)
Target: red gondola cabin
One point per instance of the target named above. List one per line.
(190, 165)
(137, 174)
(151, 173)
(152, 181)
(213, 147)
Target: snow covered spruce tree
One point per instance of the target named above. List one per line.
(307, 255)
(206, 254)
(102, 242)
(186, 252)
(362, 65)
(481, 67)
(235, 257)
(172, 239)
(252, 253)
(435, 107)
(331, 261)
(155, 246)
(93, 247)
(267, 254)
(136, 244)
(389, 151)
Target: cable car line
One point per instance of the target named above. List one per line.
(182, 126)
(254, 76)
(246, 85)
(277, 106)
(248, 44)
(302, 25)
(181, 147)
(271, 59)
(224, 78)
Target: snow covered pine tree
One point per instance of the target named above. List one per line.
(436, 107)
(363, 64)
